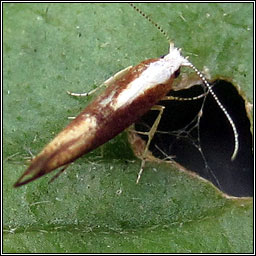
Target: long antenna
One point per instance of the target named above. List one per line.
(222, 108)
(203, 79)
(151, 21)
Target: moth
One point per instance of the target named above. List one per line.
(129, 94)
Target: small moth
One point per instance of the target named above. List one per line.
(129, 94)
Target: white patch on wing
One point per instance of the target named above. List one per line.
(158, 72)
(87, 127)
(107, 100)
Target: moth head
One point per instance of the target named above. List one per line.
(175, 57)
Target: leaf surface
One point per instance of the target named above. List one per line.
(96, 206)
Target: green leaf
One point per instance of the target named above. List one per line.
(95, 206)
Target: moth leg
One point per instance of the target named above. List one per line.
(108, 82)
(184, 99)
(117, 76)
(58, 173)
(150, 135)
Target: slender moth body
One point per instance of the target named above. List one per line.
(123, 102)
(129, 94)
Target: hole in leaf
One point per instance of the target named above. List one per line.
(205, 145)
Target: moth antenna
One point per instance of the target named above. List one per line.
(201, 76)
(222, 108)
(151, 21)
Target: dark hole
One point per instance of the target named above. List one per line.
(177, 73)
(216, 137)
